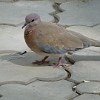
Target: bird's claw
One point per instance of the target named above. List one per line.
(40, 62)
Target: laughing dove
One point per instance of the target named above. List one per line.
(49, 39)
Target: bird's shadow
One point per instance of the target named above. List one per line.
(25, 59)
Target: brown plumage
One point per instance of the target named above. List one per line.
(49, 39)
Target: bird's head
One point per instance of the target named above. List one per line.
(32, 19)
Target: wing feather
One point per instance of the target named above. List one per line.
(51, 38)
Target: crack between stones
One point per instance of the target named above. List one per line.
(13, 82)
(82, 25)
(1, 95)
(57, 10)
(73, 97)
(7, 24)
(74, 86)
(13, 25)
(80, 93)
(14, 1)
(10, 1)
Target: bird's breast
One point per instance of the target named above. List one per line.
(30, 40)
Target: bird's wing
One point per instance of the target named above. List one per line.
(51, 38)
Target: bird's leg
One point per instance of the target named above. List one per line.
(59, 63)
(42, 61)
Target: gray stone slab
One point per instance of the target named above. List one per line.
(59, 90)
(77, 12)
(87, 54)
(58, 1)
(88, 87)
(19, 69)
(12, 38)
(85, 70)
(88, 97)
(20, 92)
(52, 89)
(14, 13)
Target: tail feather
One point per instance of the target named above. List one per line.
(95, 43)
(86, 41)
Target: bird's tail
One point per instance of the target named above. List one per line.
(95, 43)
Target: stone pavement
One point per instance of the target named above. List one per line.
(22, 80)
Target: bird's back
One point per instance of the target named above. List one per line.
(49, 38)
(53, 34)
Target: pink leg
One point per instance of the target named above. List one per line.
(42, 61)
(59, 63)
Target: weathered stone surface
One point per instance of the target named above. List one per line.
(60, 90)
(88, 87)
(19, 68)
(87, 54)
(52, 89)
(90, 32)
(12, 38)
(88, 97)
(77, 12)
(20, 92)
(16, 12)
(85, 70)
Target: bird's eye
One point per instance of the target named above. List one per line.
(33, 20)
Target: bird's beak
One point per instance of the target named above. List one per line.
(23, 25)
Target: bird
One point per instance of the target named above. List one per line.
(49, 39)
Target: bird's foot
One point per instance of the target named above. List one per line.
(40, 62)
(58, 64)
(43, 61)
